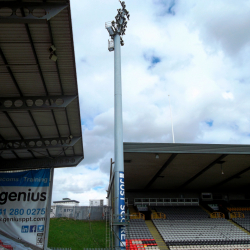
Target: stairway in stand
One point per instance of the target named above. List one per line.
(243, 229)
(157, 237)
(132, 209)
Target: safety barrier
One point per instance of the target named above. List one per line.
(158, 215)
(236, 215)
(216, 215)
(238, 209)
(137, 216)
(166, 201)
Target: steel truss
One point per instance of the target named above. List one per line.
(57, 162)
(35, 102)
(38, 143)
(45, 11)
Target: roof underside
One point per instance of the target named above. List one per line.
(203, 167)
(40, 117)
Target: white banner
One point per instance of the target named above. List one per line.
(23, 202)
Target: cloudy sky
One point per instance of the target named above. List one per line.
(196, 51)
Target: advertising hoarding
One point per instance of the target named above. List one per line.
(23, 204)
(122, 233)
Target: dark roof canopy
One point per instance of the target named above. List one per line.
(40, 118)
(179, 166)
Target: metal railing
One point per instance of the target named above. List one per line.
(158, 215)
(217, 215)
(236, 215)
(167, 201)
(137, 216)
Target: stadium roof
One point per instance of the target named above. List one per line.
(179, 166)
(40, 118)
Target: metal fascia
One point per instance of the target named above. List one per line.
(6, 165)
(35, 102)
(30, 144)
(51, 10)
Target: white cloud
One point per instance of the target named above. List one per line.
(203, 64)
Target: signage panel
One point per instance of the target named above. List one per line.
(23, 203)
(122, 233)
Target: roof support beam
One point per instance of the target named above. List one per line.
(41, 73)
(231, 178)
(38, 143)
(7, 165)
(35, 12)
(203, 171)
(166, 164)
(21, 94)
(10, 72)
(35, 102)
(13, 124)
(59, 78)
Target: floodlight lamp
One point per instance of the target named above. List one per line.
(53, 57)
(221, 169)
(52, 48)
(110, 31)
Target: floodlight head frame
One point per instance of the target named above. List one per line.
(120, 24)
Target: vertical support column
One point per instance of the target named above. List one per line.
(46, 238)
(118, 134)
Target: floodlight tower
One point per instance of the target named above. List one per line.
(116, 30)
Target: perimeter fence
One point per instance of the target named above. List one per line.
(79, 212)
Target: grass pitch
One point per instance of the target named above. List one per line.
(77, 234)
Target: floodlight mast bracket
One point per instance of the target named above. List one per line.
(118, 27)
(116, 30)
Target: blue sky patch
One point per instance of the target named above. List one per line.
(210, 123)
(91, 167)
(98, 187)
(167, 6)
(152, 59)
(155, 60)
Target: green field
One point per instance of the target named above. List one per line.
(76, 234)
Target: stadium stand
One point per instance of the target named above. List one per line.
(189, 227)
(139, 230)
(185, 190)
(241, 216)
(183, 213)
(139, 236)
(192, 227)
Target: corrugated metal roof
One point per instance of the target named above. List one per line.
(186, 167)
(27, 71)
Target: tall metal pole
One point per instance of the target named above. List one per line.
(118, 130)
(116, 29)
(171, 118)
